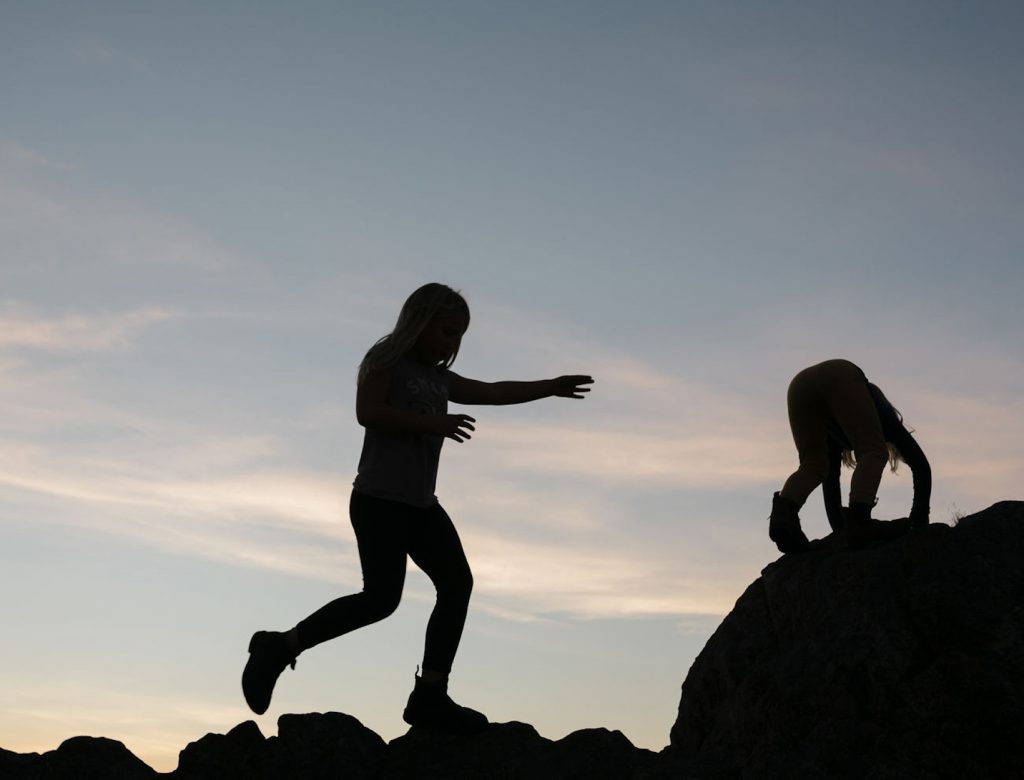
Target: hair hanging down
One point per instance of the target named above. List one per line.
(895, 456)
(420, 308)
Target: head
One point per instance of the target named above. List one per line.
(429, 328)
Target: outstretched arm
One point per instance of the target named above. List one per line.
(471, 391)
(373, 411)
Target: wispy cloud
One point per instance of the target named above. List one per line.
(549, 493)
(95, 51)
(153, 726)
(677, 455)
(20, 327)
(19, 154)
(54, 230)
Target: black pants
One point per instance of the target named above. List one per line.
(387, 532)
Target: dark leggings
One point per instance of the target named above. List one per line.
(387, 532)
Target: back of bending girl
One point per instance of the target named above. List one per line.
(833, 411)
(404, 386)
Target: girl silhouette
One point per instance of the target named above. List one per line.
(837, 416)
(404, 385)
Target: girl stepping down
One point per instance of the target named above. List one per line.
(405, 383)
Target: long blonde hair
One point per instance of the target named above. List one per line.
(429, 301)
(895, 456)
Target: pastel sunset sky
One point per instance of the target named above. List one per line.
(209, 211)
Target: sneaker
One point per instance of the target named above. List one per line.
(268, 656)
(430, 707)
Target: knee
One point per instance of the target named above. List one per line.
(382, 603)
(456, 588)
(815, 468)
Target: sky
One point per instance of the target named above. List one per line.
(209, 211)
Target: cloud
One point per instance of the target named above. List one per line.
(154, 726)
(550, 497)
(674, 456)
(21, 328)
(93, 51)
(57, 232)
(23, 155)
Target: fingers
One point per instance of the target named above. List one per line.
(463, 424)
(573, 385)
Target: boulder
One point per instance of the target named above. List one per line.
(237, 755)
(901, 660)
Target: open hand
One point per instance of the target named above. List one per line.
(456, 426)
(571, 386)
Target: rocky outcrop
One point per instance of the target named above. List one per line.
(333, 745)
(78, 758)
(905, 660)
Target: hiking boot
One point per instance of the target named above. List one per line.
(887, 530)
(859, 529)
(784, 526)
(430, 707)
(269, 654)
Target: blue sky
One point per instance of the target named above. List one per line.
(208, 212)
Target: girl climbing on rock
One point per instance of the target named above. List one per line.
(404, 385)
(837, 416)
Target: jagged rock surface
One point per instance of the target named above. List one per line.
(78, 758)
(900, 661)
(333, 745)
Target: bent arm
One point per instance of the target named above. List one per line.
(472, 391)
(373, 410)
(921, 470)
(897, 434)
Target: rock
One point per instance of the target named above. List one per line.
(515, 751)
(506, 750)
(599, 754)
(902, 660)
(90, 758)
(328, 745)
(21, 765)
(237, 754)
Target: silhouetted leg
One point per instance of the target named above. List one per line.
(805, 403)
(436, 548)
(382, 534)
(852, 407)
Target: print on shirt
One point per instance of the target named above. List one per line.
(426, 396)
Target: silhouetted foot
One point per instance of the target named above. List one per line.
(269, 654)
(430, 707)
(784, 526)
(832, 541)
(887, 530)
(864, 531)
